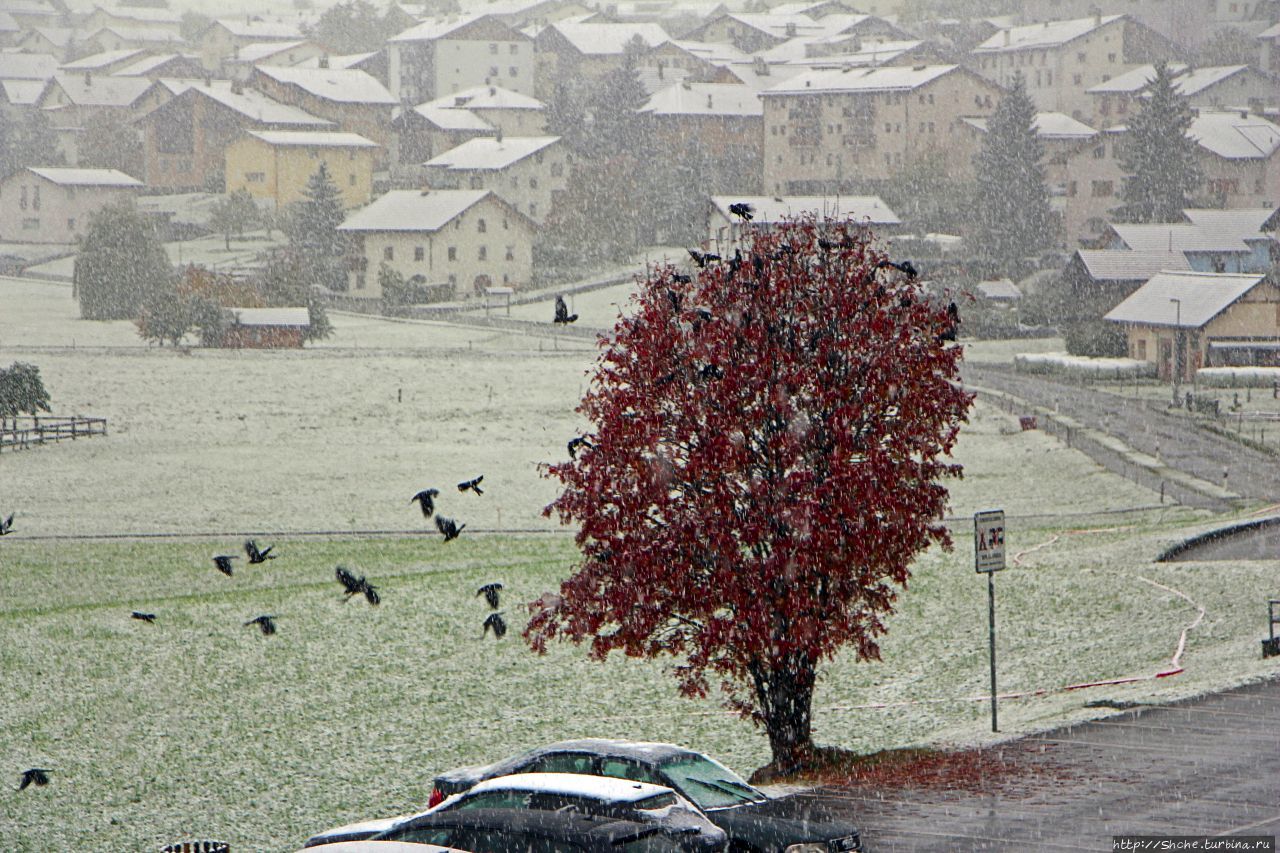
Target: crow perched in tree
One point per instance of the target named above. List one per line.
(6, 526)
(264, 622)
(681, 278)
(38, 776)
(425, 498)
(223, 563)
(575, 443)
(256, 556)
(742, 210)
(905, 267)
(357, 585)
(497, 623)
(676, 301)
(953, 317)
(490, 593)
(562, 312)
(472, 485)
(448, 527)
(702, 258)
(144, 617)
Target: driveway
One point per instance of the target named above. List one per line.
(1209, 766)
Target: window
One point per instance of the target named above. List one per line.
(71, 191)
(31, 225)
(389, 254)
(533, 183)
(419, 253)
(483, 254)
(493, 71)
(481, 227)
(1077, 80)
(1111, 57)
(513, 72)
(71, 224)
(621, 769)
(1100, 152)
(1081, 57)
(1071, 189)
(22, 199)
(511, 253)
(477, 182)
(1102, 189)
(35, 198)
(255, 177)
(351, 180)
(1142, 349)
(360, 282)
(453, 253)
(562, 763)
(533, 209)
(515, 48)
(315, 155)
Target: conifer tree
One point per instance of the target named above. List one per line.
(121, 264)
(1158, 157)
(1011, 205)
(313, 231)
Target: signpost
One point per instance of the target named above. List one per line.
(988, 558)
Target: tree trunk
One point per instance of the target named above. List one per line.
(784, 697)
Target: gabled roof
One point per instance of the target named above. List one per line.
(608, 39)
(259, 30)
(102, 90)
(312, 139)
(57, 36)
(1187, 300)
(487, 98)
(1048, 125)
(27, 66)
(1132, 81)
(1044, 35)
(1177, 237)
(147, 64)
(413, 210)
(341, 85)
(706, 99)
(438, 28)
(298, 317)
(714, 52)
(1197, 80)
(490, 153)
(8, 24)
(454, 118)
(882, 78)
(22, 93)
(86, 177)
(252, 53)
(105, 59)
(778, 26)
(1122, 265)
(249, 103)
(349, 60)
(142, 34)
(1272, 32)
(1233, 136)
(146, 14)
(859, 208)
(999, 288)
(1246, 221)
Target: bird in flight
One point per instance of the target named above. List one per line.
(426, 499)
(6, 526)
(562, 312)
(265, 622)
(143, 617)
(702, 258)
(223, 562)
(575, 443)
(472, 485)
(256, 556)
(905, 267)
(38, 776)
(497, 623)
(357, 585)
(490, 593)
(448, 527)
(742, 210)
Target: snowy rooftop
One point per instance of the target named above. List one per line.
(102, 90)
(1199, 79)
(1043, 35)
(1132, 81)
(487, 98)
(1234, 136)
(145, 14)
(453, 118)
(611, 789)
(602, 39)
(56, 36)
(491, 153)
(147, 64)
(342, 85)
(1178, 237)
(349, 60)
(999, 289)
(866, 208)
(881, 78)
(714, 52)
(1122, 265)
(27, 66)
(782, 26)
(1246, 221)
(8, 24)
(708, 99)
(1047, 126)
(22, 92)
(248, 102)
(299, 317)
(441, 27)
(1185, 300)
(259, 29)
(1271, 32)
(87, 177)
(144, 34)
(412, 210)
(252, 53)
(98, 61)
(312, 138)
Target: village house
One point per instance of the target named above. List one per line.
(266, 328)
(55, 42)
(30, 14)
(672, 62)
(424, 131)
(282, 54)
(568, 51)
(48, 205)
(1226, 245)
(1059, 60)
(373, 63)
(527, 172)
(118, 37)
(511, 113)
(72, 101)
(133, 16)
(1187, 23)
(353, 100)
(225, 36)
(104, 62)
(1182, 321)
(1097, 280)
(185, 139)
(718, 126)
(725, 229)
(277, 164)
(455, 242)
(1210, 88)
(829, 131)
(163, 65)
(752, 32)
(1238, 153)
(438, 58)
(1269, 49)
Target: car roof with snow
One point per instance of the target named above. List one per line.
(570, 827)
(369, 846)
(606, 788)
(655, 753)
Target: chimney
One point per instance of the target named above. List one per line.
(1007, 37)
(1244, 114)
(791, 29)
(493, 90)
(761, 67)
(324, 61)
(498, 137)
(237, 87)
(708, 100)
(661, 67)
(208, 81)
(88, 78)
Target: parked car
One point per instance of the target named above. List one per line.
(381, 847)
(753, 820)
(531, 831)
(597, 796)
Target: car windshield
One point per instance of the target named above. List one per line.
(708, 784)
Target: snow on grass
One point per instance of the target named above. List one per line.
(1238, 377)
(1075, 365)
(1003, 351)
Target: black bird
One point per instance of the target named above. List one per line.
(905, 267)
(953, 324)
(38, 776)
(266, 623)
(575, 443)
(473, 485)
(676, 301)
(742, 210)
(223, 562)
(256, 556)
(6, 526)
(562, 312)
(144, 617)
(711, 371)
(448, 527)
(490, 593)
(497, 623)
(357, 585)
(681, 278)
(825, 244)
(371, 594)
(702, 258)
(425, 498)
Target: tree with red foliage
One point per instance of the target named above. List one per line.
(767, 442)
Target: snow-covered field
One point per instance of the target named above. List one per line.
(1074, 365)
(199, 727)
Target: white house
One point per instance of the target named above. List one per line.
(48, 205)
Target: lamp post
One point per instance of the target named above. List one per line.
(1177, 346)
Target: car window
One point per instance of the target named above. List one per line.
(549, 802)
(623, 769)
(563, 762)
(493, 800)
(708, 784)
(658, 801)
(654, 842)
(500, 841)
(426, 835)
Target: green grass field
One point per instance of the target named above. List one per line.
(197, 726)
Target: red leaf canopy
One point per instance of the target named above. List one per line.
(768, 440)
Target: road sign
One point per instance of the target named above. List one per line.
(988, 541)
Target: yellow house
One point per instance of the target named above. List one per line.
(276, 164)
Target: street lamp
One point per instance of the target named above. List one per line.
(1177, 346)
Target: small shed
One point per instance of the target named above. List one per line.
(266, 328)
(1000, 290)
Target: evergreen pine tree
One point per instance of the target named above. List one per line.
(1011, 211)
(121, 264)
(313, 231)
(1158, 157)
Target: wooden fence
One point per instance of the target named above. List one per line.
(24, 431)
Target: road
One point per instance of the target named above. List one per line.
(1174, 438)
(1209, 766)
